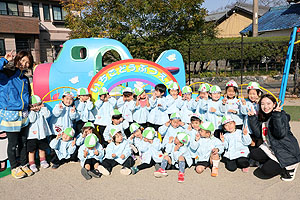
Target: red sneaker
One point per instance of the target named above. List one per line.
(180, 177)
(160, 173)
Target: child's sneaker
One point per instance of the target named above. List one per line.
(245, 170)
(33, 168)
(125, 171)
(289, 175)
(103, 170)
(134, 170)
(95, 173)
(85, 174)
(180, 177)
(55, 166)
(26, 170)
(160, 173)
(44, 164)
(17, 173)
(214, 172)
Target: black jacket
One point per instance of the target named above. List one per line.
(283, 143)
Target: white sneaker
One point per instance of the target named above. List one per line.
(103, 170)
(289, 174)
(125, 171)
(33, 168)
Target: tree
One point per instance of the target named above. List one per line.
(146, 27)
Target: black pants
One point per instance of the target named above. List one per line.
(232, 165)
(99, 132)
(155, 126)
(17, 142)
(55, 160)
(109, 164)
(145, 165)
(78, 127)
(127, 131)
(270, 167)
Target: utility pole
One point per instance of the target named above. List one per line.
(255, 18)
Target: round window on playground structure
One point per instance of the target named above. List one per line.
(79, 53)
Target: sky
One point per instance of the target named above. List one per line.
(212, 5)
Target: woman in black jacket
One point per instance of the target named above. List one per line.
(279, 153)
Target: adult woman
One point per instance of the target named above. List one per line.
(279, 153)
(14, 103)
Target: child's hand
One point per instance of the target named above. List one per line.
(222, 137)
(58, 136)
(132, 136)
(138, 97)
(250, 112)
(167, 124)
(96, 153)
(197, 98)
(181, 123)
(60, 105)
(81, 99)
(122, 156)
(212, 109)
(171, 139)
(9, 56)
(243, 101)
(224, 101)
(197, 136)
(189, 127)
(113, 155)
(73, 109)
(215, 151)
(245, 130)
(85, 153)
(74, 142)
(232, 111)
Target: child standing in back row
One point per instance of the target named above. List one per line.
(142, 107)
(173, 100)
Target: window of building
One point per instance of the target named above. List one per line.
(35, 10)
(12, 9)
(8, 8)
(57, 13)
(2, 47)
(46, 11)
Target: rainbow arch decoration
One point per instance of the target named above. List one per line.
(129, 70)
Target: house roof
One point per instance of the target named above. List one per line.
(278, 18)
(238, 7)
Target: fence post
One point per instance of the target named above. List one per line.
(189, 58)
(242, 57)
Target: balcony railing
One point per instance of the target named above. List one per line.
(16, 13)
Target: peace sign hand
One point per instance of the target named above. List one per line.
(279, 108)
(9, 56)
(251, 112)
(245, 130)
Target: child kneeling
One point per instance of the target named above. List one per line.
(177, 154)
(117, 153)
(207, 149)
(90, 155)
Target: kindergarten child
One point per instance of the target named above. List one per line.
(187, 101)
(236, 144)
(38, 132)
(171, 128)
(117, 153)
(84, 107)
(90, 155)
(173, 100)
(193, 129)
(202, 99)
(104, 106)
(87, 129)
(150, 150)
(157, 115)
(231, 104)
(177, 155)
(136, 136)
(64, 147)
(126, 104)
(64, 114)
(142, 107)
(214, 113)
(208, 149)
(117, 123)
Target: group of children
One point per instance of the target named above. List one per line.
(173, 131)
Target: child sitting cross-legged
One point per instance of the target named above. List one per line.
(207, 148)
(117, 153)
(176, 155)
(90, 155)
(150, 150)
(64, 147)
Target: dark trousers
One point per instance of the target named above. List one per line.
(145, 165)
(99, 132)
(55, 160)
(232, 165)
(109, 164)
(78, 127)
(127, 131)
(270, 167)
(17, 142)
